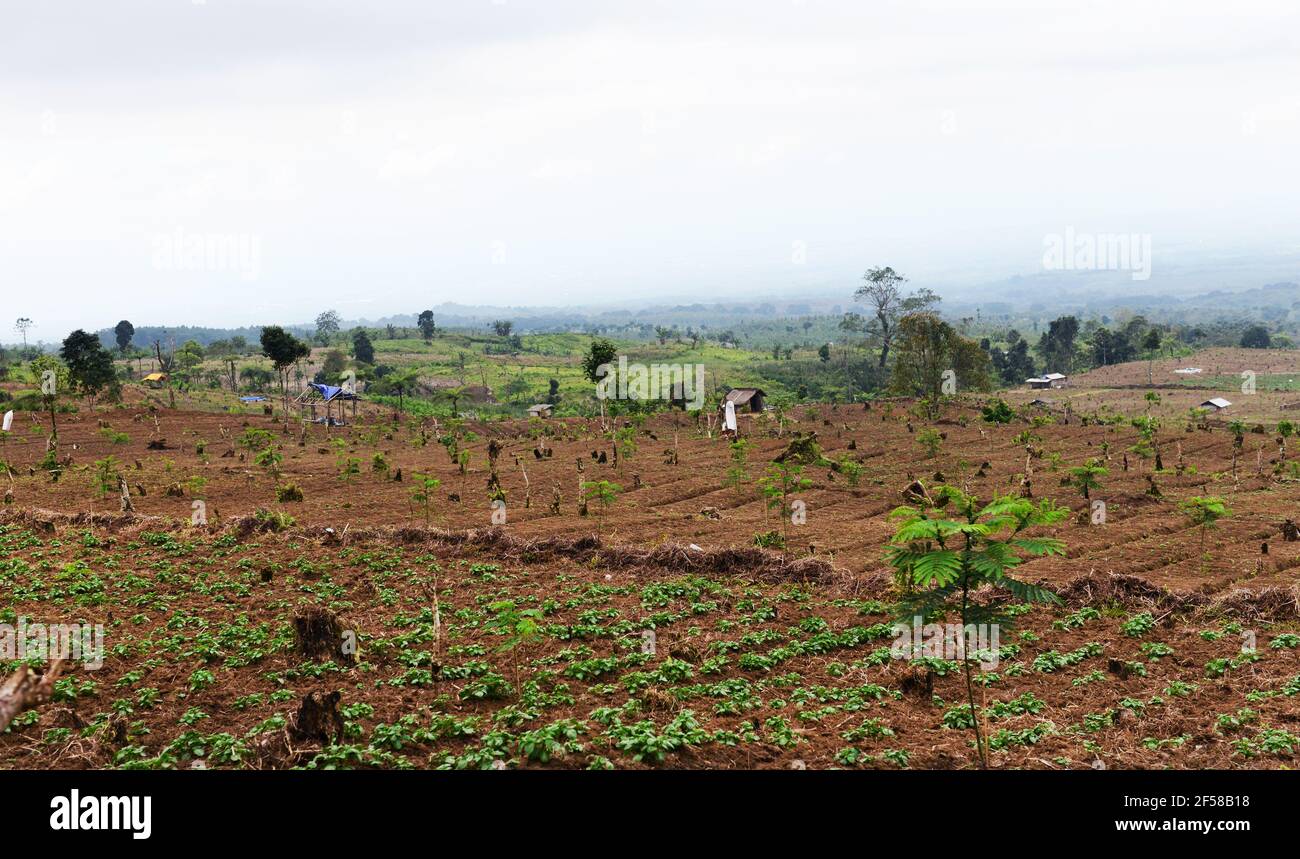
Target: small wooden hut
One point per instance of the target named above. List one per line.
(326, 404)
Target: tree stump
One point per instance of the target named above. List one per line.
(317, 719)
(318, 635)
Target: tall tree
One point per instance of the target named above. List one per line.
(228, 355)
(881, 291)
(1111, 347)
(1151, 341)
(189, 357)
(21, 326)
(927, 346)
(90, 366)
(164, 361)
(123, 331)
(1056, 344)
(327, 325)
(1256, 337)
(425, 324)
(284, 350)
(332, 366)
(601, 352)
(1014, 365)
(362, 349)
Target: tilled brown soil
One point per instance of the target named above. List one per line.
(205, 616)
(663, 502)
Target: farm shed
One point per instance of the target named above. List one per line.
(541, 410)
(745, 397)
(1215, 404)
(155, 380)
(1047, 380)
(317, 395)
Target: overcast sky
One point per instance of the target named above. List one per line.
(378, 156)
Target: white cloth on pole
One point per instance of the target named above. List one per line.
(730, 419)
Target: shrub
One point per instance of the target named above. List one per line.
(998, 412)
(931, 441)
(273, 520)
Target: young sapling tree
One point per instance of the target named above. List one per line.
(950, 545)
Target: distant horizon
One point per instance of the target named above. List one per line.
(958, 296)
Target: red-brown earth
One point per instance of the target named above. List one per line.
(201, 663)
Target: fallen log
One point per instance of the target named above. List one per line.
(24, 690)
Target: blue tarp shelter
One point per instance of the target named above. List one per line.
(318, 394)
(332, 392)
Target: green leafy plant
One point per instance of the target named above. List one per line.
(106, 471)
(737, 472)
(270, 459)
(931, 441)
(1085, 478)
(522, 627)
(772, 539)
(254, 440)
(115, 437)
(951, 545)
(603, 492)
(998, 412)
(273, 520)
(851, 470)
(423, 491)
(781, 481)
(1203, 512)
(1138, 625)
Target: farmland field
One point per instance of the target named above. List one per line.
(1122, 388)
(523, 641)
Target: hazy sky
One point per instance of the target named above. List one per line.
(380, 157)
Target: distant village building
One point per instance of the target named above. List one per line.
(1215, 404)
(155, 380)
(751, 398)
(1048, 380)
(541, 410)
